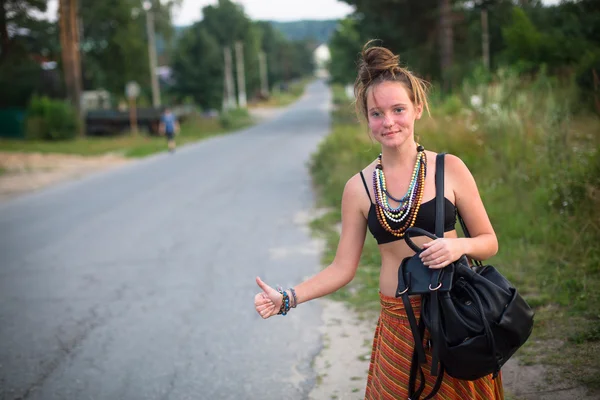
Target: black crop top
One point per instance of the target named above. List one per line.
(425, 218)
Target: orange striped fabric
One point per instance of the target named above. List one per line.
(391, 359)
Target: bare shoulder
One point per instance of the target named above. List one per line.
(354, 185)
(461, 181)
(456, 167)
(355, 191)
(356, 194)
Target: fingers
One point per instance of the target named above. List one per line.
(430, 247)
(431, 255)
(439, 263)
(437, 256)
(266, 288)
(264, 306)
(261, 299)
(266, 313)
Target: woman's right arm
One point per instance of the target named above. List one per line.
(343, 268)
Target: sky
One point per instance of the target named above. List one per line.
(190, 11)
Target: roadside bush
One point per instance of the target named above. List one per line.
(234, 118)
(49, 119)
(452, 105)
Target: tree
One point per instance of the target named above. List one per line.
(446, 43)
(272, 43)
(15, 13)
(228, 23)
(114, 42)
(523, 40)
(71, 61)
(345, 46)
(24, 43)
(198, 67)
(409, 28)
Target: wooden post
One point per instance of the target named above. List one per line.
(69, 40)
(133, 116)
(264, 85)
(149, 7)
(229, 90)
(132, 91)
(485, 39)
(241, 75)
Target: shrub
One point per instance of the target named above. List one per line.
(49, 119)
(452, 105)
(234, 118)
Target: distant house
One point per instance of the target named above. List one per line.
(321, 57)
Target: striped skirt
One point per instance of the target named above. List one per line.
(391, 359)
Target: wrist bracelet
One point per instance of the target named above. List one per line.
(295, 300)
(285, 302)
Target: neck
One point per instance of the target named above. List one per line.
(399, 157)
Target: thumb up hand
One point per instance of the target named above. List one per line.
(269, 301)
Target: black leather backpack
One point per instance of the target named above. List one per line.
(475, 316)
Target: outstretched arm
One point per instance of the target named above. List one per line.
(343, 268)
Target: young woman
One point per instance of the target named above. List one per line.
(394, 192)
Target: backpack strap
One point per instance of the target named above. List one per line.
(439, 195)
(433, 302)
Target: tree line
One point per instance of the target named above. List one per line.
(447, 41)
(113, 50)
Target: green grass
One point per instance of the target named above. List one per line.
(134, 145)
(537, 166)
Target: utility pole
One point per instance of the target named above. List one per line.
(241, 79)
(264, 85)
(228, 89)
(485, 38)
(446, 44)
(152, 53)
(69, 40)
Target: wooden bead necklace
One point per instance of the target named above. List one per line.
(396, 220)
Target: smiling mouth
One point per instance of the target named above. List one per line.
(388, 133)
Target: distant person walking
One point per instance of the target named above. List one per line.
(169, 126)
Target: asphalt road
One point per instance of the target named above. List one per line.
(138, 283)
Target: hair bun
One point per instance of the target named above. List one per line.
(376, 61)
(379, 59)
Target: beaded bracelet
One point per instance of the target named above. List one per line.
(285, 303)
(295, 300)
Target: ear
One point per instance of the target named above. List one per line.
(419, 111)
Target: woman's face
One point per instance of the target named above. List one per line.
(391, 113)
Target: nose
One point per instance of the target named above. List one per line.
(387, 121)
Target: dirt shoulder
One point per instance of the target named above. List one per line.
(27, 172)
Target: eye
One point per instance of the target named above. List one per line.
(375, 114)
(398, 110)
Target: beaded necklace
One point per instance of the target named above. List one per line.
(396, 220)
